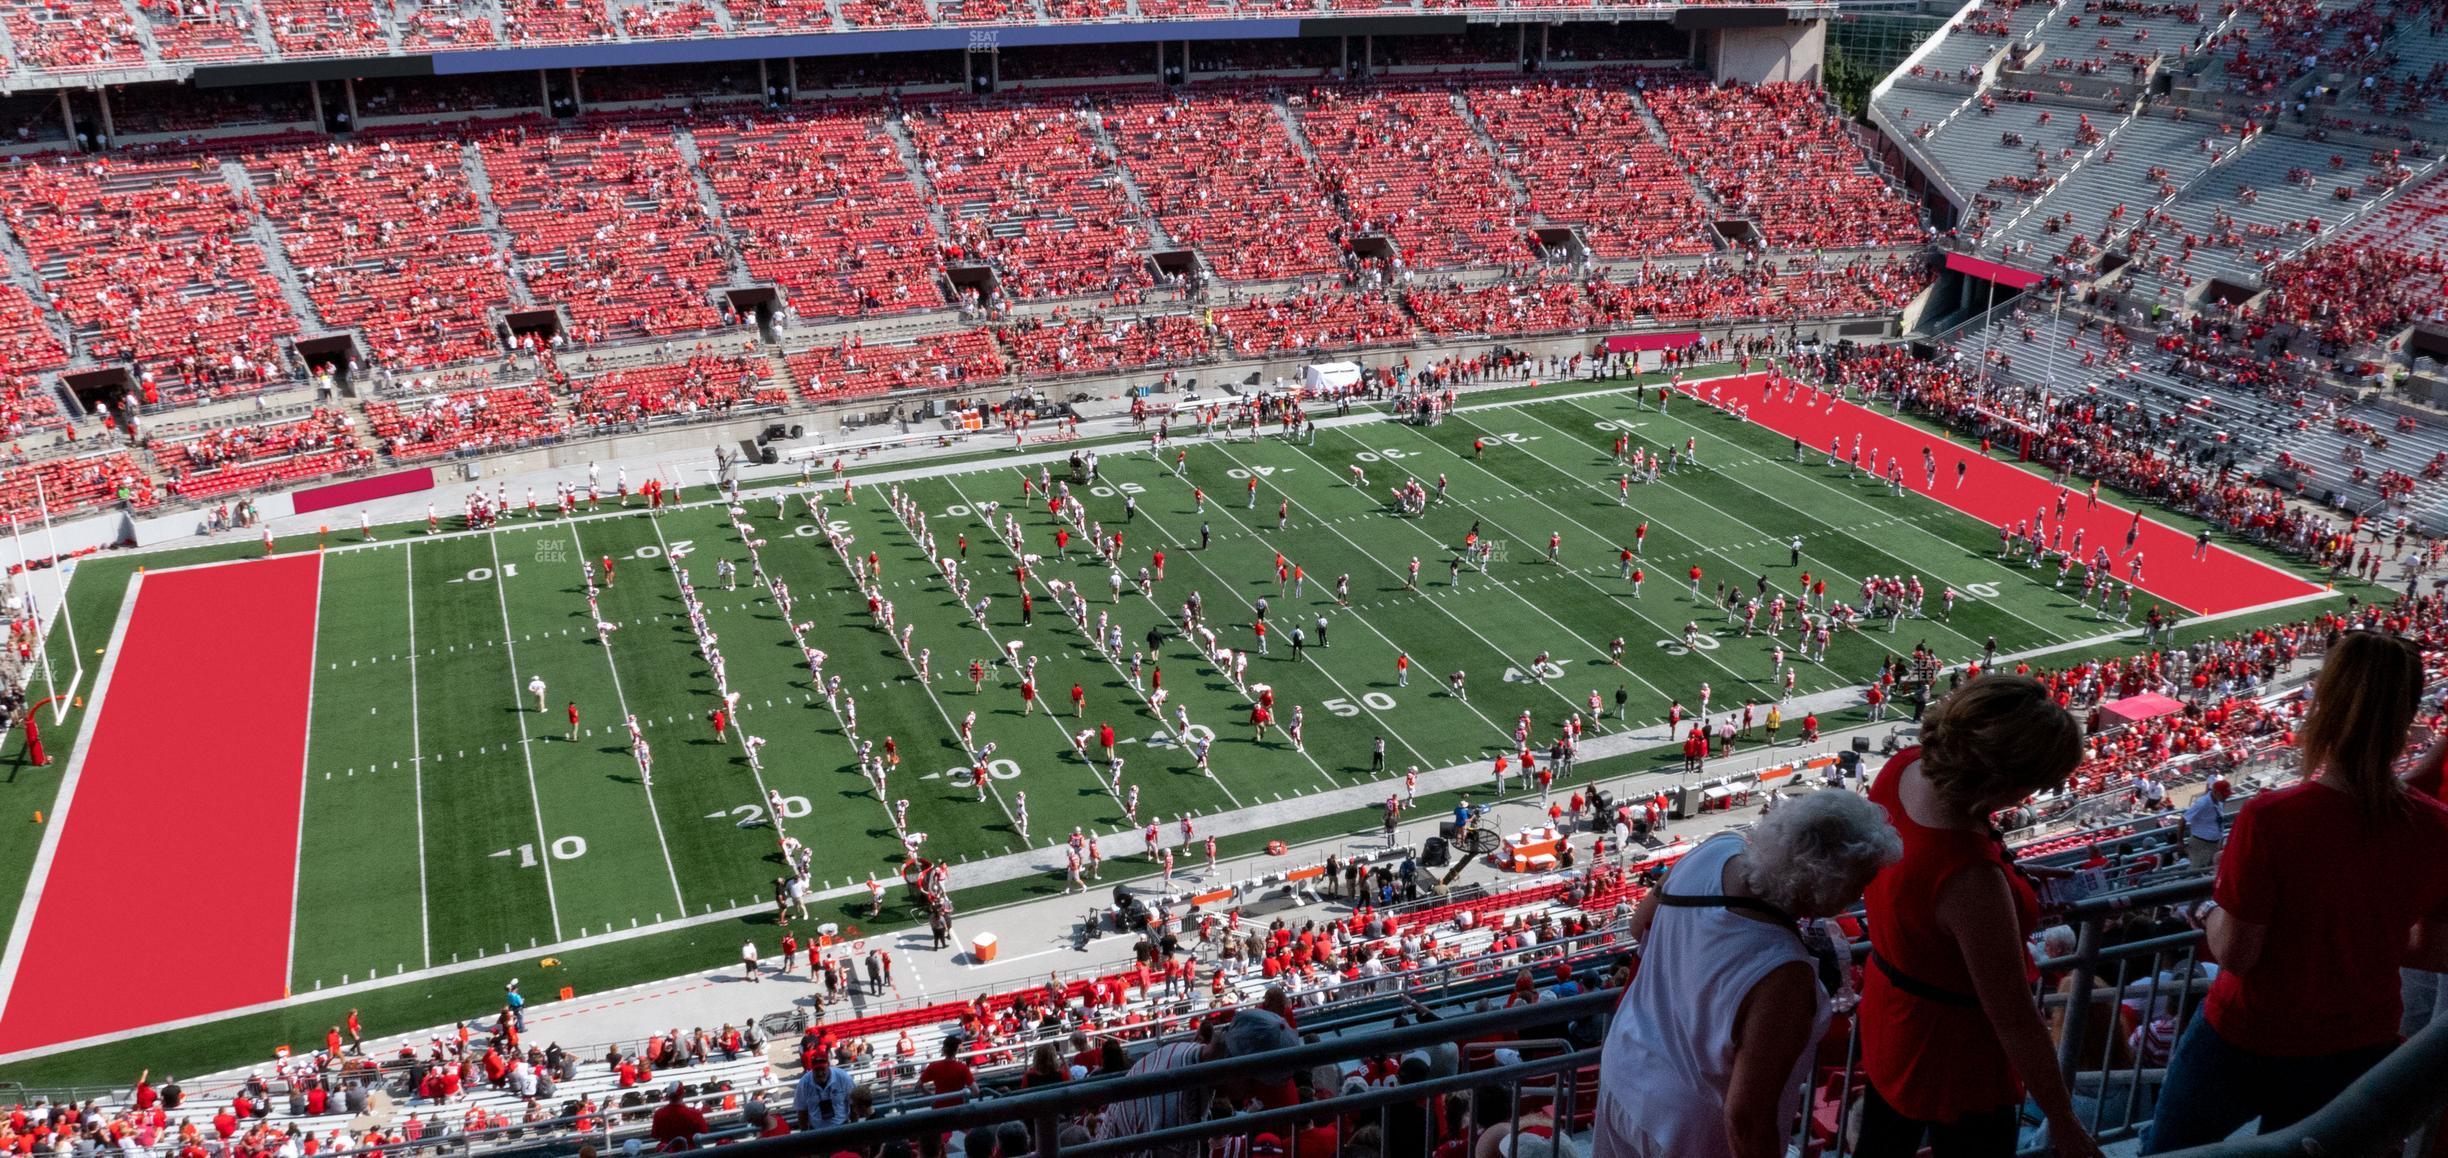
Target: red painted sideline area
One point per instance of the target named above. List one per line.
(1999, 493)
(358, 490)
(188, 796)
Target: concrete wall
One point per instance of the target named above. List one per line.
(113, 528)
(66, 536)
(1756, 55)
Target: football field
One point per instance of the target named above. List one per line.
(444, 819)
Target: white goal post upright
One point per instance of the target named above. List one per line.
(62, 695)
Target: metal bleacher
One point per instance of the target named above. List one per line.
(2013, 142)
(2294, 435)
(2238, 237)
(2118, 176)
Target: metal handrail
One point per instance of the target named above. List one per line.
(1046, 1107)
(1442, 977)
(2389, 1103)
(1356, 990)
(1362, 1103)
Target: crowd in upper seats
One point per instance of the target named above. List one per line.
(247, 457)
(2363, 288)
(414, 236)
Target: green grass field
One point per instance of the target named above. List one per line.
(446, 821)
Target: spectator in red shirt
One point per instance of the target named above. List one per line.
(948, 1076)
(678, 1123)
(1950, 1036)
(2324, 889)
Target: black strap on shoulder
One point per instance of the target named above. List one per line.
(1915, 987)
(1714, 901)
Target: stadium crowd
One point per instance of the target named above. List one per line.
(633, 234)
(2084, 436)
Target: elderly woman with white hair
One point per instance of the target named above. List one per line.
(1709, 1049)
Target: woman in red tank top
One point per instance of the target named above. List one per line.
(1950, 1034)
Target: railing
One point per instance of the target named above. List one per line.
(1979, 320)
(1045, 1112)
(2401, 1099)
(1442, 980)
(2107, 141)
(2096, 808)
(2108, 1085)
(2115, 1076)
(1439, 979)
(2363, 208)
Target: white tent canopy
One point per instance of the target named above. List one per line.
(1330, 375)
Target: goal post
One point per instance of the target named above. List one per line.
(40, 596)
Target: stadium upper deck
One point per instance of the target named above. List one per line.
(50, 44)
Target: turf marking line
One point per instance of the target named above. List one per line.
(1613, 597)
(1818, 562)
(1097, 648)
(1947, 546)
(535, 799)
(1234, 590)
(605, 641)
(1998, 483)
(416, 764)
(1441, 547)
(297, 852)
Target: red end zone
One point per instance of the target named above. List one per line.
(184, 809)
(1999, 494)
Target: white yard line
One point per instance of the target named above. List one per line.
(1604, 542)
(605, 641)
(1467, 776)
(1526, 665)
(951, 728)
(1002, 655)
(1098, 647)
(2145, 515)
(982, 871)
(1948, 547)
(1234, 590)
(1701, 541)
(297, 868)
(416, 767)
(40, 873)
(534, 797)
(757, 563)
(1422, 593)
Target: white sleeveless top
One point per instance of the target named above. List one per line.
(1670, 1051)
